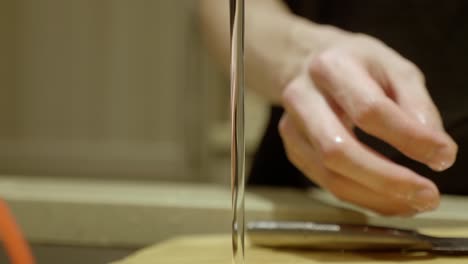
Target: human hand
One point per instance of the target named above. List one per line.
(362, 82)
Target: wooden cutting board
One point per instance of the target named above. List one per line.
(216, 249)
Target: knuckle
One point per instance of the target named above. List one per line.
(323, 65)
(332, 153)
(409, 71)
(367, 111)
(290, 93)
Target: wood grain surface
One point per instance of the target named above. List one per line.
(216, 249)
(450, 219)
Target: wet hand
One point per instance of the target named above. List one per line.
(362, 82)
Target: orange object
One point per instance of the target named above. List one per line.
(16, 247)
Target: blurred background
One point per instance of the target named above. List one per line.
(114, 94)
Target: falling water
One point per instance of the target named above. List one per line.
(237, 129)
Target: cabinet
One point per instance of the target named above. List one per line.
(109, 88)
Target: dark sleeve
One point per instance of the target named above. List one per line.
(305, 8)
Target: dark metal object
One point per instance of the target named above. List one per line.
(326, 236)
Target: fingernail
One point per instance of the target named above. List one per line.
(442, 159)
(425, 200)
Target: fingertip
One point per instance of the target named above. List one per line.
(427, 199)
(444, 157)
(423, 197)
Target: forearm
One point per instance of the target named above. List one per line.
(276, 41)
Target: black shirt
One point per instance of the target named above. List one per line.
(433, 35)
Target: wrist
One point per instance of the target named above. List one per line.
(278, 44)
